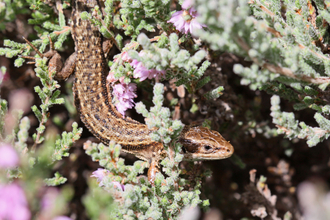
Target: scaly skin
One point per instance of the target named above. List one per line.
(94, 102)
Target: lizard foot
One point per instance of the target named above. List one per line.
(55, 63)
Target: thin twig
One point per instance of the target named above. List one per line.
(282, 70)
(278, 34)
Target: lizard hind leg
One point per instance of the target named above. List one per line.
(55, 63)
(153, 170)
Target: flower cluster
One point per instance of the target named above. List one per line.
(49, 204)
(122, 58)
(8, 156)
(101, 173)
(125, 93)
(185, 20)
(141, 72)
(13, 203)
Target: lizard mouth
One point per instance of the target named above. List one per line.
(218, 154)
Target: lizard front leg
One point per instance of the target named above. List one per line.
(152, 171)
(55, 61)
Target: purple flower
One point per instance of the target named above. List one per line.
(119, 186)
(123, 57)
(124, 93)
(187, 4)
(111, 78)
(100, 174)
(8, 156)
(185, 20)
(49, 199)
(13, 204)
(52, 205)
(140, 71)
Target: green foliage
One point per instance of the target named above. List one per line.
(139, 197)
(287, 124)
(159, 117)
(286, 50)
(58, 179)
(215, 93)
(108, 157)
(283, 42)
(9, 10)
(134, 16)
(22, 135)
(63, 143)
(168, 56)
(46, 24)
(99, 205)
(48, 97)
(162, 53)
(36, 165)
(3, 111)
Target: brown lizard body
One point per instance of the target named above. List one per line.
(92, 96)
(94, 102)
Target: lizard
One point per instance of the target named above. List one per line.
(94, 102)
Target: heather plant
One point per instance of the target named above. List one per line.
(25, 171)
(285, 52)
(288, 53)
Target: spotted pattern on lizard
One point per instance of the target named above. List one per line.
(93, 100)
(100, 115)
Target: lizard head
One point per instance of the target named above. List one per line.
(201, 143)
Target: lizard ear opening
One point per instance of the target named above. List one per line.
(188, 146)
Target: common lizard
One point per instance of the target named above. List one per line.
(93, 100)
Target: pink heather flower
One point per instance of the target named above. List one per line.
(13, 204)
(187, 4)
(119, 186)
(8, 156)
(124, 94)
(185, 20)
(100, 174)
(49, 199)
(50, 205)
(125, 57)
(111, 78)
(140, 71)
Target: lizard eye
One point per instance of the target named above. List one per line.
(207, 147)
